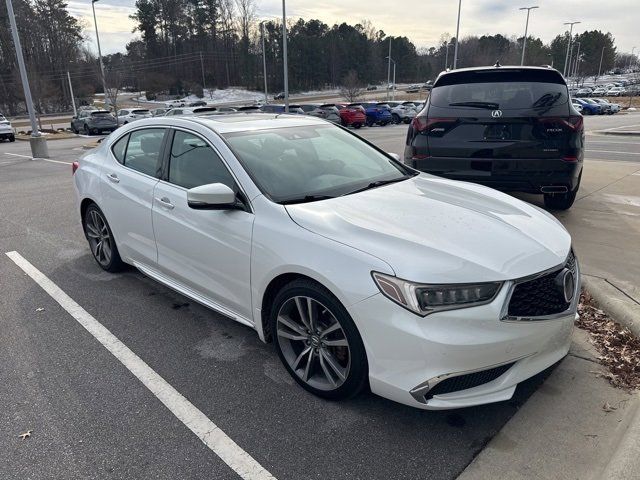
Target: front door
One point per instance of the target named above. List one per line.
(207, 250)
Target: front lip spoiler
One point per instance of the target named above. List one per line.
(420, 391)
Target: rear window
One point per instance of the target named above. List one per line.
(140, 112)
(101, 114)
(500, 89)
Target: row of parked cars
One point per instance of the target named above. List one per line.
(595, 106)
(609, 90)
(356, 115)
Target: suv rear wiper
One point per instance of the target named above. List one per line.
(305, 199)
(489, 105)
(378, 183)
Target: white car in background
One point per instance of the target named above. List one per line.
(616, 92)
(175, 103)
(128, 115)
(577, 106)
(402, 111)
(362, 271)
(6, 130)
(185, 111)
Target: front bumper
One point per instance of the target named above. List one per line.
(407, 354)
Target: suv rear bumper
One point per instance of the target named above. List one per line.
(511, 175)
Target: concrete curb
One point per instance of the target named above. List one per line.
(625, 463)
(619, 306)
(621, 133)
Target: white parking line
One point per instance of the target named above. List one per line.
(610, 151)
(37, 158)
(207, 431)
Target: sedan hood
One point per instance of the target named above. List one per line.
(434, 230)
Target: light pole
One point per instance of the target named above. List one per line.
(73, 100)
(37, 142)
(600, 67)
(202, 72)
(284, 53)
(575, 63)
(264, 63)
(566, 59)
(95, 22)
(526, 31)
(631, 58)
(446, 57)
(455, 51)
(389, 69)
(394, 79)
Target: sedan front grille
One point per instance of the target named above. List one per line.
(470, 380)
(541, 296)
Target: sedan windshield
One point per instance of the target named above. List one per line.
(305, 164)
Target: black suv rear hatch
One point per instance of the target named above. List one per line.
(499, 113)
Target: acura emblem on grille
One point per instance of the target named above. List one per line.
(496, 113)
(567, 284)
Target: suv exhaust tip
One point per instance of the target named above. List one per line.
(554, 189)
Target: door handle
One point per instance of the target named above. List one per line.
(165, 202)
(113, 177)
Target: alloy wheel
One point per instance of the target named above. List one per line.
(100, 239)
(313, 343)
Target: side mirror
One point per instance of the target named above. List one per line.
(395, 156)
(213, 196)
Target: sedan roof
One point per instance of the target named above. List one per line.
(239, 122)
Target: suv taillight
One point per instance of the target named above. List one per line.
(573, 123)
(74, 167)
(424, 124)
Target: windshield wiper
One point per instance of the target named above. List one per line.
(378, 183)
(305, 199)
(488, 105)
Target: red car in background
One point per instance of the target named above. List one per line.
(351, 115)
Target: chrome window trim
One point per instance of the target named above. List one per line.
(573, 307)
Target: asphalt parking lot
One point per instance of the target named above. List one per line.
(90, 417)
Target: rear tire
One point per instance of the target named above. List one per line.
(337, 371)
(357, 125)
(396, 118)
(101, 241)
(12, 138)
(86, 130)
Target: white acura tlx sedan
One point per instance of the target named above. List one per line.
(362, 272)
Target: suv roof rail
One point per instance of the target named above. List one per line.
(497, 64)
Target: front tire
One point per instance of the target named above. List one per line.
(12, 138)
(101, 242)
(86, 130)
(396, 118)
(317, 341)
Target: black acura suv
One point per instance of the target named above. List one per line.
(510, 128)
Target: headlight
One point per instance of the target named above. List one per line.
(424, 299)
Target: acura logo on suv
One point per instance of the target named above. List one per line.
(496, 113)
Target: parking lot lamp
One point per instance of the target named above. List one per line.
(455, 51)
(526, 31)
(600, 67)
(631, 62)
(566, 59)
(95, 22)
(37, 142)
(575, 63)
(389, 69)
(264, 63)
(446, 56)
(284, 61)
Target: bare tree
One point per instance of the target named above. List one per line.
(351, 88)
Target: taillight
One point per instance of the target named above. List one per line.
(573, 123)
(570, 158)
(424, 124)
(74, 167)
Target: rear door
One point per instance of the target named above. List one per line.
(131, 173)
(500, 114)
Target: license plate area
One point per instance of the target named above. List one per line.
(498, 131)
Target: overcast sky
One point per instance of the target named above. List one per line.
(423, 21)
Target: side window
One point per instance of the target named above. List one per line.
(193, 163)
(143, 150)
(119, 148)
